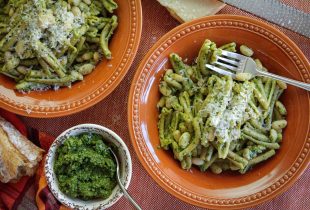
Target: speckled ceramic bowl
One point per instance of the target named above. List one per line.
(125, 167)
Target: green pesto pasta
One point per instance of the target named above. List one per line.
(47, 44)
(214, 122)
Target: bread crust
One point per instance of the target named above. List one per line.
(18, 156)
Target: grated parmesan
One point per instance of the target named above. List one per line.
(227, 129)
(52, 26)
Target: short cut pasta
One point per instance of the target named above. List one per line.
(52, 43)
(212, 121)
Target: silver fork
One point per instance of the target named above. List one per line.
(243, 64)
(120, 184)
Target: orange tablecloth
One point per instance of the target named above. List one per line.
(112, 113)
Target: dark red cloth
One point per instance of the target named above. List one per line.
(13, 194)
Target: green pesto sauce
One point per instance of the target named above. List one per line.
(85, 168)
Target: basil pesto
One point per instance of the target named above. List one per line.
(85, 168)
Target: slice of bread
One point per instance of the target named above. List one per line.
(21, 143)
(18, 156)
(12, 163)
(187, 10)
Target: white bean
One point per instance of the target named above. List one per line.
(197, 161)
(7, 55)
(76, 11)
(184, 140)
(176, 135)
(96, 57)
(279, 124)
(20, 47)
(243, 76)
(259, 64)
(86, 68)
(245, 50)
(87, 56)
(216, 169)
(281, 84)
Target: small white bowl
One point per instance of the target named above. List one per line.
(124, 159)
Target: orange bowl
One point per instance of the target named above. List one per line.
(227, 190)
(95, 86)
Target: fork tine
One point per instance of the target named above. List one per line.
(230, 67)
(236, 63)
(220, 71)
(233, 55)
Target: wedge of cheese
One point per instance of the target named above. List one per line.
(186, 10)
(18, 156)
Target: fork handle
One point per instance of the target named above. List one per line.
(134, 203)
(296, 83)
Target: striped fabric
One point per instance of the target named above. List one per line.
(12, 195)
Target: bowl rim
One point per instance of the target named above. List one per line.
(285, 182)
(48, 167)
(67, 108)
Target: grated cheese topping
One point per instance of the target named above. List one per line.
(226, 108)
(217, 101)
(228, 128)
(53, 25)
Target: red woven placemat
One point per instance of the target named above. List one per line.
(112, 113)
